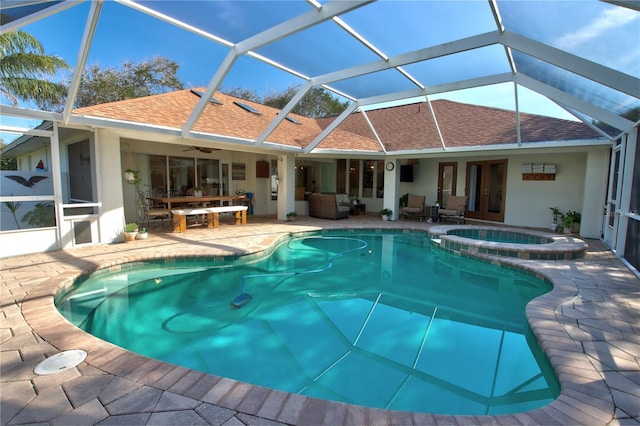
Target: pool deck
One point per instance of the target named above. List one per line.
(588, 326)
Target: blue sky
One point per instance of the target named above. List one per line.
(584, 28)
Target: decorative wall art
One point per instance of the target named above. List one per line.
(238, 171)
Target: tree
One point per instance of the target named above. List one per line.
(145, 78)
(246, 94)
(318, 102)
(25, 68)
(7, 163)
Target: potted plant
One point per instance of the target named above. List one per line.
(291, 216)
(567, 222)
(557, 214)
(386, 214)
(142, 234)
(132, 176)
(197, 191)
(577, 217)
(403, 200)
(130, 231)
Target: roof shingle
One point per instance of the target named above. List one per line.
(399, 128)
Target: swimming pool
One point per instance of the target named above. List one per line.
(376, 319)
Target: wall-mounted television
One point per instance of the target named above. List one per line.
(406, 173)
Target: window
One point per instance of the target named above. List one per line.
(354, 178)
(181, 175)
(158, 170)
(341, 176)
(368, 178)
(373, 178)
(209, 176)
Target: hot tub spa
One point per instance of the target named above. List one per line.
(507, 242)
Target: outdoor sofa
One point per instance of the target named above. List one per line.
(327, 206)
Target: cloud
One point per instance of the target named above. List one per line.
(610, 20)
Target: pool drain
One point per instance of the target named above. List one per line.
(60, 362)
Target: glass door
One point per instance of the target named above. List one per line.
(224, 178)
(447, 178)
(486, 189)
(610, 224)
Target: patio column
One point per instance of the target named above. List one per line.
(391, 186)
(286, 185)
(595, 192)
(109, 185)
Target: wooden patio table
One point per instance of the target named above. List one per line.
(215, 199)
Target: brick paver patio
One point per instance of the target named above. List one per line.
(588, 326)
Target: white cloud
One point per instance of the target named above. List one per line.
(610, 20)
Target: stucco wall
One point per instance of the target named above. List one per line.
(579, 185)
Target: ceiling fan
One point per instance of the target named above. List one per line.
(201, 149)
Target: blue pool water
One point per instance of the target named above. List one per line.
(375, 319)
(500, 236)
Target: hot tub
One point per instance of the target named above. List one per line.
(507, 242)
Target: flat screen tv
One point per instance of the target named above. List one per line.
(406, 173)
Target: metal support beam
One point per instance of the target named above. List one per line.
(85, 45)
(561, 97)
(373, 130)
(283, 113)
(420, 55)
(215, 82)
(441, 88)
(335, 123)
(593, 71)
(298, 23)
(36, 16)
(435, 123)
(270, 35)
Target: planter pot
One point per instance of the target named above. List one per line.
(385, 217)
(554, 226)
(142, 235)
(130, 177)
(130, 236)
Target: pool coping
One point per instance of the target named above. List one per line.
(584, 398)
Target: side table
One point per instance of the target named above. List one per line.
(435, 214)
(359, 208)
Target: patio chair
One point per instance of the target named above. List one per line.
(155, 211)
(414, 207)
(455, 209)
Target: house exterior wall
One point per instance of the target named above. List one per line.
(109, 192)
(580, 185)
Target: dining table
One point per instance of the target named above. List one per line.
(205, 200)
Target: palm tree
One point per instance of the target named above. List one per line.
(24, 67)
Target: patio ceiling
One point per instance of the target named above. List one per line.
(379, 53)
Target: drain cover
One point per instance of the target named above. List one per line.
(60, 362)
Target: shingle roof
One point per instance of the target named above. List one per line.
(400, 128)
(411, 127)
